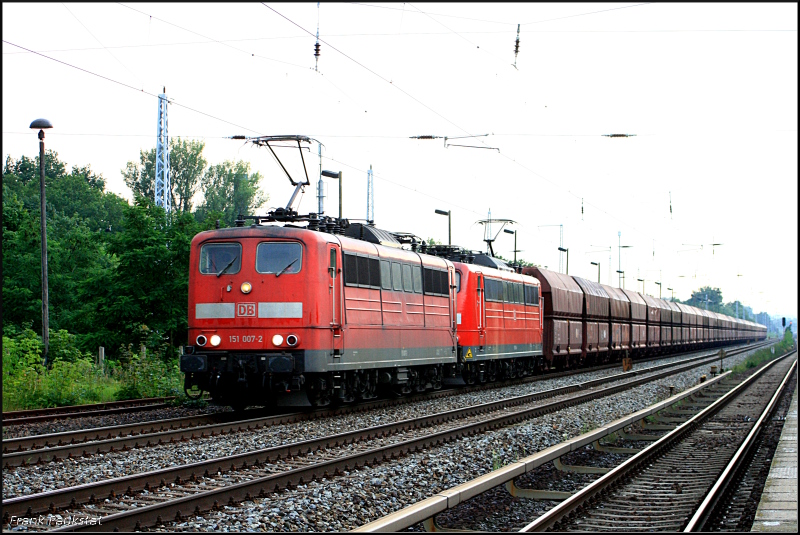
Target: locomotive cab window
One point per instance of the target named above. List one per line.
(279, 258)
(220, 258)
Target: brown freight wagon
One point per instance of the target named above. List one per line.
(620, 318)
(595, 321)
(686, 323)
(562, 336)
(666, 323)
(638, 321)
(677, 339)
(653, 324)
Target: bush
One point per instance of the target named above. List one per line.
(71, 379)
(146, 376)
(763, 355)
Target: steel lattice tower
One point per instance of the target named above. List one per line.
(162, 189)
(370, 197)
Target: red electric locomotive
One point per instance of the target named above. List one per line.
(499, 321)
(279, 310)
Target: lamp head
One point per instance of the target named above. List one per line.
(40, 124)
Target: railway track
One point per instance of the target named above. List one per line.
(140, 500)
(56, 446)
(81, 411)
(660, 488)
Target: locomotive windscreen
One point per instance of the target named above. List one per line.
(219, 258)
(278, 258)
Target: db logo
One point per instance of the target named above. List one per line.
(246, 309)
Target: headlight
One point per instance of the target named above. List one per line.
(215, 340)
(201, 340)
(291, 340)
(246, 287)
(276, 340)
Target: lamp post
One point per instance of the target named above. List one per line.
(622, 278)
(563, 250)
(338, 176)
(514, 232)
(659, 289)
(673, 294)
(42, 124)
(449, 234)
(642, 281)
(598, 270)
(619, 252)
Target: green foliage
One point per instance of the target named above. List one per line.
(588, 426)
(71, 379)
(186, 169)
(230, 189)
(78, 215)
(497, 461)
(118, 274)
(766, 354)
(147, 376)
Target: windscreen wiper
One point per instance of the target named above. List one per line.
(226, 267)
(278, 274)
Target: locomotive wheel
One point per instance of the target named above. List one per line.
(491, 374)
(436, 378)
(468, 374)
(319, 395)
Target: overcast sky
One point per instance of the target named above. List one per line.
(708, 93)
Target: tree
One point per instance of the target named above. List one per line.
(79, 213)
(186, 164)
(148, 295)
(231, 189)
(706, 295)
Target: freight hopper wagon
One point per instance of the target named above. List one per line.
(595, 322)
(562, 334)
(620, 321)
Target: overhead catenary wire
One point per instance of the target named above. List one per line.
(252, 54)
(98, 41)
(209, 114)
(141, 91)
(555, 184)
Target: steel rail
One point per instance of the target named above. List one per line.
(80, 411)
(21, 451)
(41, 502)
(572, 503)
(77, 408)
(709, 504)
(107, 432)
(450, 498)
(136, 518)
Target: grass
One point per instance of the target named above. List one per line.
(763, 355)
(72, 377)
